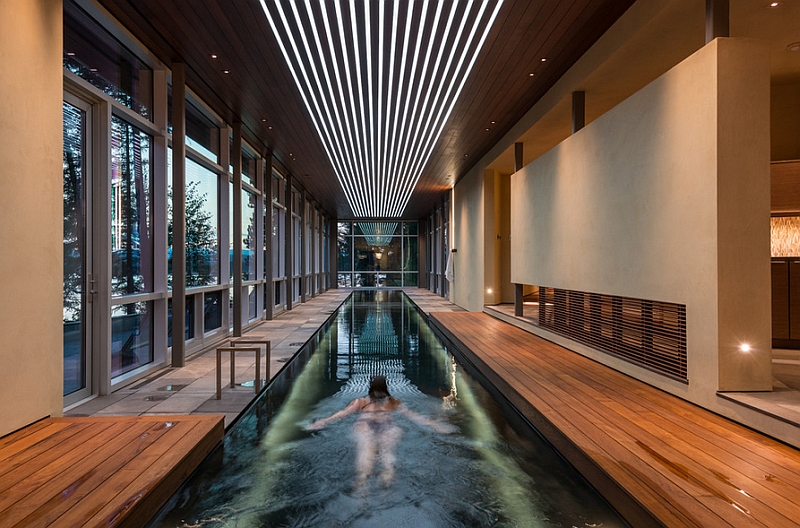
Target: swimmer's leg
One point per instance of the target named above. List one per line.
(365, 455)
(387, 444)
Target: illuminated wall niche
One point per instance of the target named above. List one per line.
(785, 236)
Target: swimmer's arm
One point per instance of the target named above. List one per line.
(439, 427)
(354, 406)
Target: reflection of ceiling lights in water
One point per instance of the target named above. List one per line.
(379, 80)
(378, 233)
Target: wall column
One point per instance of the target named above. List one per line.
(289, 244)
(518, 292)
(178, 214)
(31, 212)
(269, 309)
(236, 156)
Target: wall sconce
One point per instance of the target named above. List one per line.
(744, 347)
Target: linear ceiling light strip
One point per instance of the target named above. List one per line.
(343, 139)
(304, 92)
(379, 143)
(339, 102)
(425, 142)
(437, 79)
(427, 78)
(421, 156)
(408, 179)
(410, 83)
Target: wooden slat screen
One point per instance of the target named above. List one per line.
(648, 333)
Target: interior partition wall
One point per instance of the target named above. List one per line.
(119, 216)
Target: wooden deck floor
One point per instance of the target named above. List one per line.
(658, 459)
(114, 471)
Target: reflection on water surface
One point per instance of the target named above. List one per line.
(273, 472)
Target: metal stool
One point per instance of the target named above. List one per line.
(233, 348)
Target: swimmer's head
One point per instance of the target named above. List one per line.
(378, 388)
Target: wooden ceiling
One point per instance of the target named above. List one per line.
(260, 93)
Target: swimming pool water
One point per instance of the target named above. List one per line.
(494, 471)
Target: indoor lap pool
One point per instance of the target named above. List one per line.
(449, 455)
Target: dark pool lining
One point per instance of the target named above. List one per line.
(508, 399)
(616, 496)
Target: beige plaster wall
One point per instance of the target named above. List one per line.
(467, 290)
(31, 211)
(632, 205)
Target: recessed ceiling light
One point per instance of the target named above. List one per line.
(775, 4)
(70, 54)
(263, 119)
(93, 69)
(794, 46)
(269, 128)
(493, 122)
(544, 60)
(487, 129)
(531, 74)
(213, 55)
(226, 71)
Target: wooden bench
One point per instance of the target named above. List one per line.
(234, 347)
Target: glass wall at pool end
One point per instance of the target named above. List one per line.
(374, 254)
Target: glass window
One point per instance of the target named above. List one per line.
(248, 167)
(212, 311)
(131, 337)
(251, 297)
(91, 53)
(370, 257)
(376, 230)
(131, 221)
(74, 249)
(278, 237)
(249, 244)
(410, 228)
(189, 321)
(202, 225)
(410, 279)
(411, 253)
(202, 135)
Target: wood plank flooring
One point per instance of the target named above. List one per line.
(658, 459)
(99, 471)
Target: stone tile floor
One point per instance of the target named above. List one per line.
(192, 389)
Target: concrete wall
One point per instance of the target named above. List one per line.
(666, 197)
(31, 212)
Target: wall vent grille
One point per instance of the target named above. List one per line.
(648, 333)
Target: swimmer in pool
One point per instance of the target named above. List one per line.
(375, 433)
